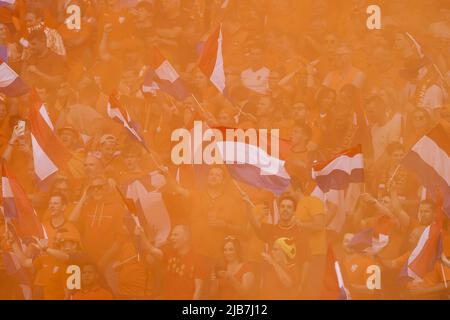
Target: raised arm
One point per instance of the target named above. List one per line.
(75, 214)
(152, 251)
(401, 215)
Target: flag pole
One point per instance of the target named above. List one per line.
(198, 103)
(443, 276)
(242, 192)
(147, 116)
(393, 176)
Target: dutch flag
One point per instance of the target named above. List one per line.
(10, 83)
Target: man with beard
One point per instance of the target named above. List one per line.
(287, 227)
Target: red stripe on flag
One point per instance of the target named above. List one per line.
(27, 223)
(209, 55)
(349, 153)
(441, 138)
(46, 138)
(284, 145)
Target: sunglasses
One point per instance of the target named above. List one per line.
(97, 187)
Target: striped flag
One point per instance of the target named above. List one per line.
(429, 159)
(428, 250)
(254, 166)
(162, 75)
(339, 182)
(18, 208)
(3, 53)
(370, 241)
(143, 196)
(211, 61)
(256, 161)
(6, 3)
(334, 287)
(119, 114)
(10, 83)
(339, 172)
(49, 154)
(14, 269)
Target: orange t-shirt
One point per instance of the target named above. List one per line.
(51, 276)
(226, 208)
(95, 293)
(181, 273)
(51, 230)
(307, 208)
(133, 278)
(356, 270)
(100, 225)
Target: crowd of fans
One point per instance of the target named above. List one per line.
(310, 68)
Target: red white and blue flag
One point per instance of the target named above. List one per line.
(3, 53)
(5, 3)
(370, 241)
(334, 287)
(118, 113)
(14, 269)
(339, 172)
(144, 192)
(18, 208)
(430, 159)
(339, 182)
(163, 76)
(258, 163)
(49, 154)
(426, 253)
(211, 61)
(254, 166)
(10, 83)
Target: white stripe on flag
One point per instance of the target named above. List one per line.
(43, 112)
(115, 113)
(242, 153)
(166, 72)
(434, 156)
(43, 166)
(218, 74)
(344, 163)
(7, 75)
(340, 279)
(6, 188)
(337, 268)
(417, 250)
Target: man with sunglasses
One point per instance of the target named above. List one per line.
(99, 215)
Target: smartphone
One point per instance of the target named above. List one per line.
(24, 43)
(21, 127)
